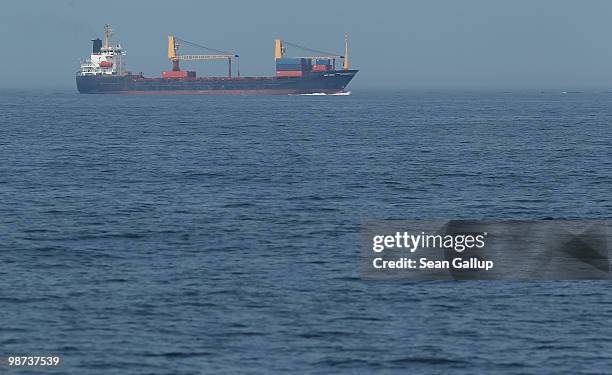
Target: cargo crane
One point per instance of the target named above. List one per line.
(175, 57)
(279, 52)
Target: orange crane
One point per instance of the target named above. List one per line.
(174, 56)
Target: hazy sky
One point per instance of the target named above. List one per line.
(401, 44)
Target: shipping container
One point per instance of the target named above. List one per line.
(289, 64)
(179, 74)
(321, 68)
(294, 73)
(322, 61)
(289, 60)
(290, 67)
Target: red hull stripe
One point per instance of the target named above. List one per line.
(218, 92)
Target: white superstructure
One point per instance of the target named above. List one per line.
(105, 59)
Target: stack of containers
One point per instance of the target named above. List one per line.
(321, 65)
(292, 67)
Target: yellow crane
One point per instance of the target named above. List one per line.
(175, 57)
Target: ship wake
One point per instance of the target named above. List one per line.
(343, 93)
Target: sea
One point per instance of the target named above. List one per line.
(220, 234)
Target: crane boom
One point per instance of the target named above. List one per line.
(204, 57)
(174, 56)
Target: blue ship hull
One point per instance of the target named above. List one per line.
(330, 82)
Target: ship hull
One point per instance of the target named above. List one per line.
(329, 82)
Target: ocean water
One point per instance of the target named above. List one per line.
(196, 234)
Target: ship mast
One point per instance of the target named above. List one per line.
(345, 66)
(108, 32)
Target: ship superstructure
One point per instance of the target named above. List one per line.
(105, 72)
(105, 58)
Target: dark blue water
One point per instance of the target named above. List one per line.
(194, 234)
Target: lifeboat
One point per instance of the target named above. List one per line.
(106, 64)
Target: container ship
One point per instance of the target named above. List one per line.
(105, 72)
